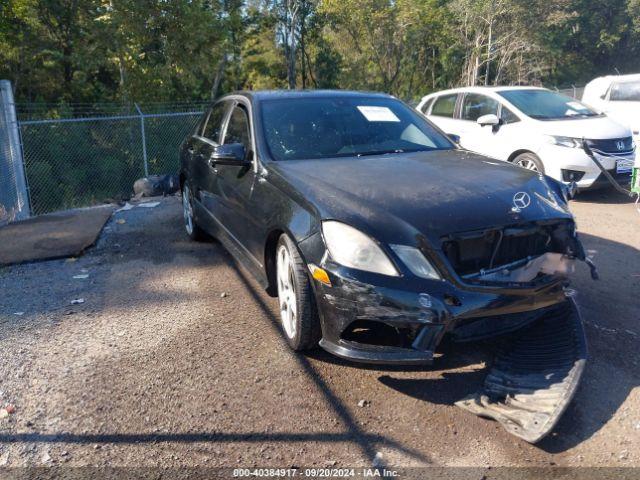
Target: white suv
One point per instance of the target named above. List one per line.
(535, 128)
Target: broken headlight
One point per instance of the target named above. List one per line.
(352, 248)
(416, 262)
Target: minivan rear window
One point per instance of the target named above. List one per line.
(625, 92)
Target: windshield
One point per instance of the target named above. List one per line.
(625, 92)
(546, 105)
(328, 127)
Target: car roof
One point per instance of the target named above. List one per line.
(483, 89)
(620, 78)
(280, 94)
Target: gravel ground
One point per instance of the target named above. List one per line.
(175, 359)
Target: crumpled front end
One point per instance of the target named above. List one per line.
(494, 282)
(503, 281)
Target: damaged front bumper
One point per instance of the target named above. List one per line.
(400, 323)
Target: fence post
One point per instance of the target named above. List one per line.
(14, 196)
(144, 141)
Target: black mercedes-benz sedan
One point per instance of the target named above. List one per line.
(380, 236)
(376, 232)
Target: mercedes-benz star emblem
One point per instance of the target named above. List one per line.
(620, 145)
(521, 200)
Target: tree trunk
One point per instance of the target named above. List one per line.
(219, 76)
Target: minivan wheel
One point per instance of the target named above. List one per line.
(193, 230)
(529, 161)
(298, 312)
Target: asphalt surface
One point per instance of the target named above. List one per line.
(174, 358)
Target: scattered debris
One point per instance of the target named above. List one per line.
(3, 413)
(11, 409)
(224, 295)
(363, 403)
(623, 455)
(18, 313)
(149, 204)
(81, 277)
(377, 460)
(127, 206)
(155, 185)
(77, 301)
(46, 458)
(121, 221)
(71, 259)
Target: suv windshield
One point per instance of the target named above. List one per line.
(546, 105)
(625, 92)
(328, 127)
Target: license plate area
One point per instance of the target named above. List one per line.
(624, 165)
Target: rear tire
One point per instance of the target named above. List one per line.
(194, 232)
(298, 311)
(530, 161)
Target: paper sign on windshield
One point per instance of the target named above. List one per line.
(378, 114)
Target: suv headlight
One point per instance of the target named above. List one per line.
(565, 141)
(352, 248)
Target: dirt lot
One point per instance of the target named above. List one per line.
(175, 359)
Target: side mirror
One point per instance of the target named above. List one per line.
(454, 138)
(233, 154)
(489, 119)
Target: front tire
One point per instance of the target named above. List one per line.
(530, 161)
(298, 312)
(193, 230)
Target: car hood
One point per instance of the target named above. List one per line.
(597, 128)
(400, 196)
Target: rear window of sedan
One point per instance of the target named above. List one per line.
(329, 127)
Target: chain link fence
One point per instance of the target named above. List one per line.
(573, 91)
(92, 154)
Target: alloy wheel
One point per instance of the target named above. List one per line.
(528, 164)
(286, 291)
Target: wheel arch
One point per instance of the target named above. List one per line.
(513, 156)
(270, 246)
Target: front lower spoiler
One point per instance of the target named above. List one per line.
(535, 376)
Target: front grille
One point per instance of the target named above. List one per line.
(471, 252)
(612, 145)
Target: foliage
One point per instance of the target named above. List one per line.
(157, 50)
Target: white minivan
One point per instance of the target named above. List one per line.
(619, 97)
(534, 128)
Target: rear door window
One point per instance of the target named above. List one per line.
(476, 105)
(445, 106)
